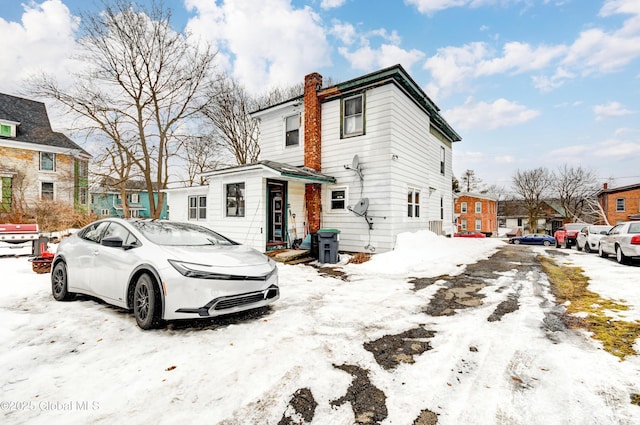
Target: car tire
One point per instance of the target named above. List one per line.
(516, 242)
(587, 248)
(620, 257)
(146, 304)
(60, 282)
(601, 252)
(578, 247)
(546, 243)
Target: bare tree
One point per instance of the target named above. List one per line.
(574, 186)
(228, 110)
(470, 182)
(142, 83)
(201, 153)
(532, 186)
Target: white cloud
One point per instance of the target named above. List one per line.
(330, 4)
(520, 57)
(345, 32)
(452, 66)
(489, 116)
(428, 7)
(43, 41)
(282, 45)
(611, 109)
(505, 159)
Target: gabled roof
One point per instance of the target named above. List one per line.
(34, 127)
(477, 195)
(284, 170)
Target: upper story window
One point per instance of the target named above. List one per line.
(235, 199)
(47, 161)
(83, 169)
(353, 116)
(292, 131)
(8, 128)
(620, 204)
(463, 207)
(135, 198)
(478, 207)
(442, 159)
(413, 203)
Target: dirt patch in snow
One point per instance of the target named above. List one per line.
(391, 350)
(367, 401)
(301, 409)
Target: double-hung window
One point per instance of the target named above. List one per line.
(413, 203)
(620, 204)
(353, 116)
(339, 199)
(478, 207)
(292, 130)
(235, 199)
(197, 207)
(442, 159)
(478, 224)
(463, 224)
(46, 191)
(463, 208)
(47, 161)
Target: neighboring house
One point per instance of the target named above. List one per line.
(620, 203)
(106, 200)
(513, 215)
(476, 212)
(36, 163)
(370, 157)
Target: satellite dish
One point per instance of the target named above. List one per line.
(355, 164)
(361, 207)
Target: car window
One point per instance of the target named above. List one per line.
(634, 228)
(117, 230)
(179, 234)
(616, 229)
(94, 231)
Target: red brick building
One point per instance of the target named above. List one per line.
(620, 203)
(476, 212)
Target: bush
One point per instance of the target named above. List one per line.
(51, 217)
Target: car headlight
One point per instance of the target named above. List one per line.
(203, 271)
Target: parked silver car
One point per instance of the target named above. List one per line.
(163, 270)
(623, 241)
(589, 237)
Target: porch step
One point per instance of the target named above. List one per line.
(291, 256)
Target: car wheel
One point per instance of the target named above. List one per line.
(578, 247)
(557, 244)
(620, 257)
(145, 302)
(517, 242)
(59, 282)
(601, 252)
(546, 243)
(587, 248)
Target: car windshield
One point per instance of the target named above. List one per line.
(179, 234)
(575, 226)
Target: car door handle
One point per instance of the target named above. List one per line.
(96, 252)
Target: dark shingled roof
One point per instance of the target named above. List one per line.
(34, 127)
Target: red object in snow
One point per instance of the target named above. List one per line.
(18, 233)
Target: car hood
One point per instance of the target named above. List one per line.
(217, 255)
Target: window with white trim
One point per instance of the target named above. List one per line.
(413, 203)
(292, 130)
(478, 207)
(463, 224)
(478, 224)
(441, 208)
(463, 208)
(135, 198)
(620, 205)
(235, 199)
(442, 159)
(104, 212)
(353, 116)
(47, 161)
(6, 130)
(46, 191)
(197, 207)
(339, 199)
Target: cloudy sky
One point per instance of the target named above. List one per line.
(527, 83)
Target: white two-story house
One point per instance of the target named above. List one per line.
(370, 157)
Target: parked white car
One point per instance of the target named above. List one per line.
(589, 237)
(623, 241)
(163, 270)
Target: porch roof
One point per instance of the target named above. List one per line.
(284, 170)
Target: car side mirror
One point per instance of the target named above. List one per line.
(112, 241)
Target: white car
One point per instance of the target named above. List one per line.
(623, 241)
(163, 270)
(589, 237)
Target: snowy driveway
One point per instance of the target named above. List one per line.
(427, 334)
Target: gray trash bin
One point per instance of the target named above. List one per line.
(328, 246)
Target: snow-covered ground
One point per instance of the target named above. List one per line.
(84, 362)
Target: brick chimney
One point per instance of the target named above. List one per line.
(313, 147)
(606, 186)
